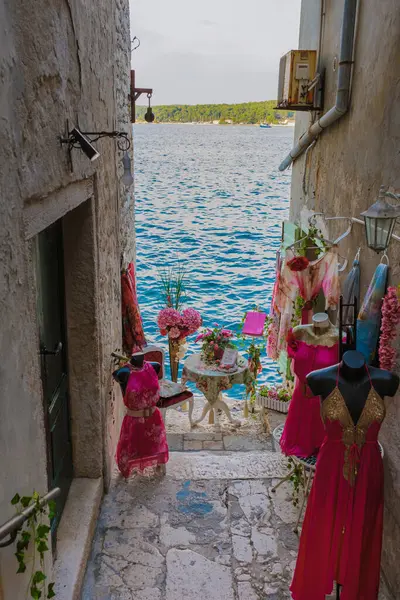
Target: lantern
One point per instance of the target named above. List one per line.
(380, 219)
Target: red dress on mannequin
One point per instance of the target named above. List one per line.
(341, 538)
(304, 430)
(143, 440)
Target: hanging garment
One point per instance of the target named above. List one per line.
(273, 329)
(132, 328)
(142, 441)
(351, 290)
(369, 317)
(304, 430)
(341, 538)
(320, 274)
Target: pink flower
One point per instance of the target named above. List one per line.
(227, 333)
(389, 325)
(169, 317)
(174, 333)
(200, 337)
(191, 319)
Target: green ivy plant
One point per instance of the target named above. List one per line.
(296, 479)
(32, 544)
(254, 350)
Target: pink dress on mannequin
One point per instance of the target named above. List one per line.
(143, 440)
(341, 538)
(304, 430)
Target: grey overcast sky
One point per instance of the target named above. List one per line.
(212, 51)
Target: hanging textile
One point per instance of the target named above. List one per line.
(304, 278)
(273, 329)
(132, 327)
(369, 317)
(290, 234)
(351, 290)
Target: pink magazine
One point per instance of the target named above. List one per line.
(254, 323)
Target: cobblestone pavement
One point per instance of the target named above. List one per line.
(209, 530)
(203, 538)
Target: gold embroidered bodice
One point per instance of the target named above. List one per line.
(354, 436)
(306, 333)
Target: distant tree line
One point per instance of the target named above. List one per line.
(248, 113)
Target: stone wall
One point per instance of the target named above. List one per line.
(59, 60)
(345, 169)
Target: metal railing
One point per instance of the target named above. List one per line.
(13, 525)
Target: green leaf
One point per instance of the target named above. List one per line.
(21, 568)
(52, 509)
(38, 577)
(25, 501)
(50, 591)
(25, 535)
(16, 499)
(35, 593)
(42, 531)
(42, 546)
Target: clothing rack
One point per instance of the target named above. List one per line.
(347, 328)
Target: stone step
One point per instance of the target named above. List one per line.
(217, 441)
(208, 465)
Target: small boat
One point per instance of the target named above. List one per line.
(265, 126)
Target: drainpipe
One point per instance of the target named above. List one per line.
(343, 86)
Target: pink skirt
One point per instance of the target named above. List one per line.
(142, 444)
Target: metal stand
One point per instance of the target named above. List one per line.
(349, 328)
(305, 496)
(338, 586)
(283, 479)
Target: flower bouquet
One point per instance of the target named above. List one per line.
(214, 342)
(177, 326)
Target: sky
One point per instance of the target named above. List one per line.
(212, 51)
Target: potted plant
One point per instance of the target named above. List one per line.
(214, 342)
(274, 397)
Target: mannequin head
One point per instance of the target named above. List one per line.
(137, 359)
(321, 321)
(353, 359)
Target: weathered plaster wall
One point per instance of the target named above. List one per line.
(59, 60)
(345, 170)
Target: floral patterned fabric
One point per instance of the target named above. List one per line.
(321, 274)
(143, 441)
(132, 328)
(273, 329)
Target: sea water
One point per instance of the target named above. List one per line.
(212, 199)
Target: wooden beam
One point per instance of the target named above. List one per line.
(135, 95)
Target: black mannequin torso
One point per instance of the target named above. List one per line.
(354, 382)
(137, 361)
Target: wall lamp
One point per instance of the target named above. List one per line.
(84, 142)
(380, 219)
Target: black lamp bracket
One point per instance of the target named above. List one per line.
(123, 141)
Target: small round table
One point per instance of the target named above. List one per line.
(211, 382)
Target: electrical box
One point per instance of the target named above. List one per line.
(297, 72)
